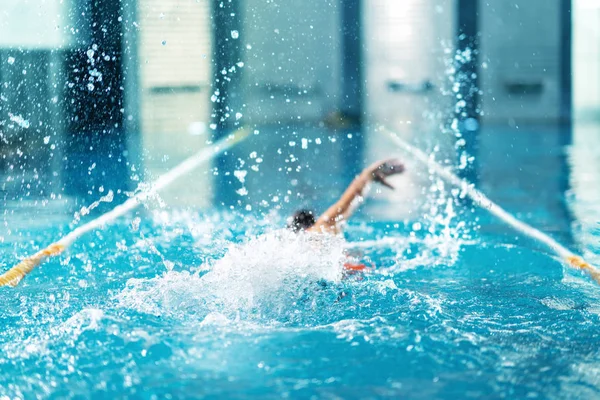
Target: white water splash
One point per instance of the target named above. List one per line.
(40, 343)
(108, 198)
(19, 120)
(266, 273)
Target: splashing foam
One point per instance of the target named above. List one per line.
(266, 274)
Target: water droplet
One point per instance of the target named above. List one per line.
(164, 42)
(240, 175)
(11, 60)
(235, 34)
(90, 86)
(471, 124)
(135, 224)
(46, 139)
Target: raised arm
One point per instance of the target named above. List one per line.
(353, 196)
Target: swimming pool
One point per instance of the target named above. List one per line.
(457, 306)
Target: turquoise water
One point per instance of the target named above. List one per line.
(220, 303)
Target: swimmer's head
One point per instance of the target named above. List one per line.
(301, 220)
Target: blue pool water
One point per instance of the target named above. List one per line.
(177, 303)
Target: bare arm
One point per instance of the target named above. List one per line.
(353, 196)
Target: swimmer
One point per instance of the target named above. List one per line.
(333, 220)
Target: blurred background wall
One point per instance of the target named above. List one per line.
(128, 88)
(522, 51)
(175, 75)
(583, 156)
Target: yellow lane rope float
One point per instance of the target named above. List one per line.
(480, 199)
(13, 276)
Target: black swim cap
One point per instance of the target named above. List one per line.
(302, 220)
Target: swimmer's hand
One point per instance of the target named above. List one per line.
(382, 169)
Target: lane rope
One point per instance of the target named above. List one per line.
(570, 258)
(13, 276)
